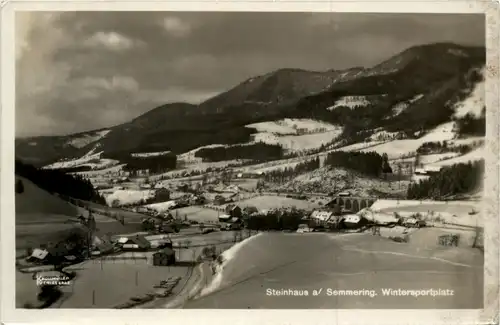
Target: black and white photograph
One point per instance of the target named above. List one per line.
(250, 160)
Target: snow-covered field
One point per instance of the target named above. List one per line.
(292, 126)
(101, 164)
(101, 172)
(190, 158)
(124, 197)
(350, 102)
(383, 136)
(475, 102)
(162, 206)
(201, 167)
(76, 162)
(149, 154)
(472, 156)
(359, 146)
(298, 142)
(397, 148)
(87, 139)
(430, 159)
(295, 134)
(465, 213)
(466, 141)
(401, 107)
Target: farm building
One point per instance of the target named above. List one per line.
(233, 210)
(432, 169)
(321, 217)
(54, 255)
(354, 221)
(164, 257)
(40, 256)
(224, 218)
(134, 243)
(101, 246)
(420, 171)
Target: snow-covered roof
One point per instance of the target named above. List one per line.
(432, 168)
(39, 253)
(123, 240)
(321, 215)
(352, 218)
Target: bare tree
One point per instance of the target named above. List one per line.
(400, 173)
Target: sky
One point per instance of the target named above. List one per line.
(78, 71)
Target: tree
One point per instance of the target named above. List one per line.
(312, 223)
(386, 167)
(400, 173)
(19, 186)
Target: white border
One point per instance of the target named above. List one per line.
(7, 312)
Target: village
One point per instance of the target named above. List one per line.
(169, 231)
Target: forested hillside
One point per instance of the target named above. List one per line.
(453, 180)
(56, 181)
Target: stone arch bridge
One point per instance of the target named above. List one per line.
(352, 203)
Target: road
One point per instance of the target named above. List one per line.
(345, 262)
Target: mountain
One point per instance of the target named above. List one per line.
(278, 87)
(421, 84)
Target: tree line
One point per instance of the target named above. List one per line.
(257, 152)
(280, 175)
(56, 181)
(435, 147)
(276, 220)
(471, 125)
(452, 180)
(367, 163)
(155, 164)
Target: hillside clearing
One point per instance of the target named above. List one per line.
(397, 148)
(474, 155)
(88, 138)
(292, 126)
(298, 142)
(475, 102)
(127, 197)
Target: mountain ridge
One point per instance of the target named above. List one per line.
(438, 68)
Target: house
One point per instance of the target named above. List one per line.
(233, 210)
(321, 217)
(353, 221)
(164, 257)
(101, 246)
(420, 171)
(432, 169)
(39, 256)
(304, 228)
(224, 218)
(411, 223)
(134, 243)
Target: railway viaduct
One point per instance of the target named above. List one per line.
(352, 203)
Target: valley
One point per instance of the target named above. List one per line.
(363, 166)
